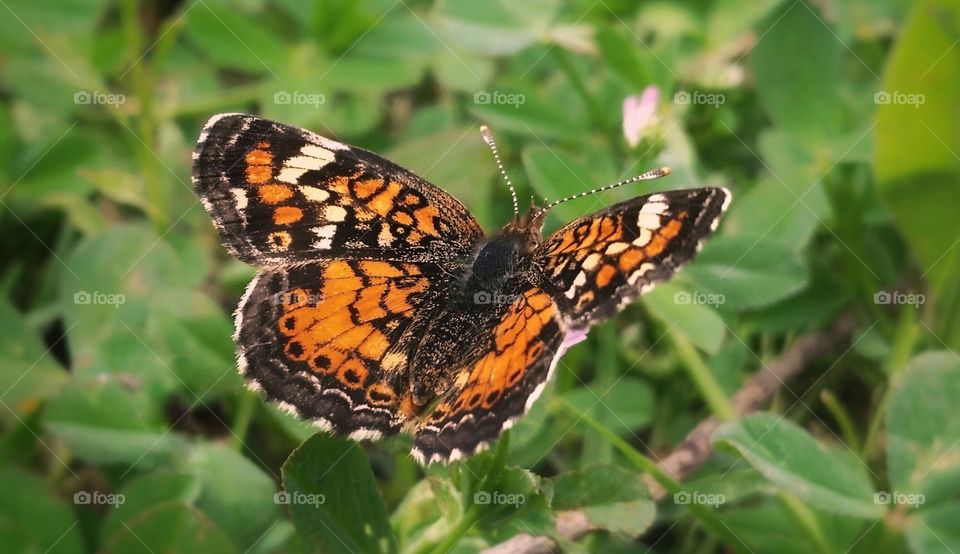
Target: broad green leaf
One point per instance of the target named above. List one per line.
(488, 28)
(745, 273)
(333, 498)
(829, 479)
(169, 527)
(798, 70)
(232, 40)
(923, 427)
(694, 313)
(109, 421)
(625, 407)
(142, 493)
(522, 112)
(612, 497)
(235, 492)
(32, 519)
(554, 176)
(770, 528)
(917, 140)
(934, 529)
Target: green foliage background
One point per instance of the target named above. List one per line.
(124, 426)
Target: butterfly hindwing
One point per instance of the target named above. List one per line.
(281, 195)
(330, 340)
(499, 387)
(597, 264)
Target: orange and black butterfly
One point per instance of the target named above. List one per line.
(381, 305)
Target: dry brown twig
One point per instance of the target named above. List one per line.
(697, 447)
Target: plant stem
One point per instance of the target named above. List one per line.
(904, 340)
(842, 417)
(804, 516)
(246, 405)
(472, 514)
(143, 88)
(645, 464)
(700, 374)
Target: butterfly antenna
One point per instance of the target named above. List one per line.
(648, 176)
(488, 138)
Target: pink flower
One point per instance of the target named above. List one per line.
(640, 114)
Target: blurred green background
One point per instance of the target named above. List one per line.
(124, 426)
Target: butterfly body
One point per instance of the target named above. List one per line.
(380, 305)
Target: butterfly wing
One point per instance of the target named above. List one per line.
(496, 389)
(595, 265)
(280, 195)
(330, 340)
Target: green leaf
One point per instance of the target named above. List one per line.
(554, 174)
(522, 112)
(917, 141)
(235, 493)
(798, 70)
(28, 373)
(334, 499)
(489, 28)
(624, 408)
(612, 497)
(232, 40)
(107, 421)
(934, 529)
(152, 488)
(828, 479)
(923, 427)
(692, 312)
(770, 528)
(32, 519)
(169, 527)
(745, 273)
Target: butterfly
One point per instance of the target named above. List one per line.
(380, 305)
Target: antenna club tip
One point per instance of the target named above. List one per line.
(485, 132)
(664, 171)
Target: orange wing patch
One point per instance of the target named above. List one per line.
(343, 328)
(517, 346)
